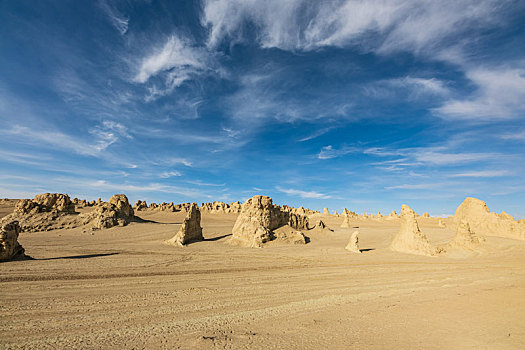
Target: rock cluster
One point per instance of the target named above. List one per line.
(140, 205)
(45, 212)
(116, 212)
(258, 219)
(485, 222)
(46, 202)
(190, 230)
(221, 207)
(9, 246)
(410, 239)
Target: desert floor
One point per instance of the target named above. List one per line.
(124, 288)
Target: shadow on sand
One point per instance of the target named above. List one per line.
(216, 238)
(85, 256)
(367, 250)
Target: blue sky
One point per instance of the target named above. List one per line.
(344, 103)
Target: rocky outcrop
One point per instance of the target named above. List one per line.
(116, 212)
(258, 219)
(410, 239)
(487, 223)
(326, 211)
(45, 212)
(353, 244)
(140, 205)
(190, 230)
(46, 202)
(9, 247)
(441, 223)
(425, 215)
(465, 238)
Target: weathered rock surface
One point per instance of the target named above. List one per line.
(45, 202)
(465, 238)
(140, 205)
(353, 244)
(346, 221)
(116, 212)
(190, 230)
(487, 223)
(9, 246)
(410, 239)
(257, 220)
(45, 212)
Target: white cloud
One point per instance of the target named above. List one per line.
(178, 59)
(500, 95)
(519, 135)
(316, 134)
(328, 152)
(168, 174)
(118, 20)
(387, 25)
(303, 194)
(483, 173)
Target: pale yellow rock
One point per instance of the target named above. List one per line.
(190, 230)
(258, 218)
(487, 223)
(465, 238)
(353, 244)
(410, 239)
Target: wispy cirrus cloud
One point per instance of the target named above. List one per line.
(500, 95)
(303, 194)
(177, 60)
(118, 20)
(483, 173)
(378, 25)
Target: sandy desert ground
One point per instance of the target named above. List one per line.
(125, 288)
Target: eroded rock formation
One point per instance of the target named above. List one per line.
(190, 230)
(258, 219)
(465, 238)
(410, 239)
(9, 246)
(116, 212)
(484, 222)
(353, 244)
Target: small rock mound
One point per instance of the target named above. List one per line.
(353, 244)
(116, 212)
(9, 246)
(346, 221)
(140, 205)
(410, 239)
(190, 230)
(425, 215)
(259, 217)
(485, 222)
(465, 238)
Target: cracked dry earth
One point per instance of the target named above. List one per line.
(124, 288)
